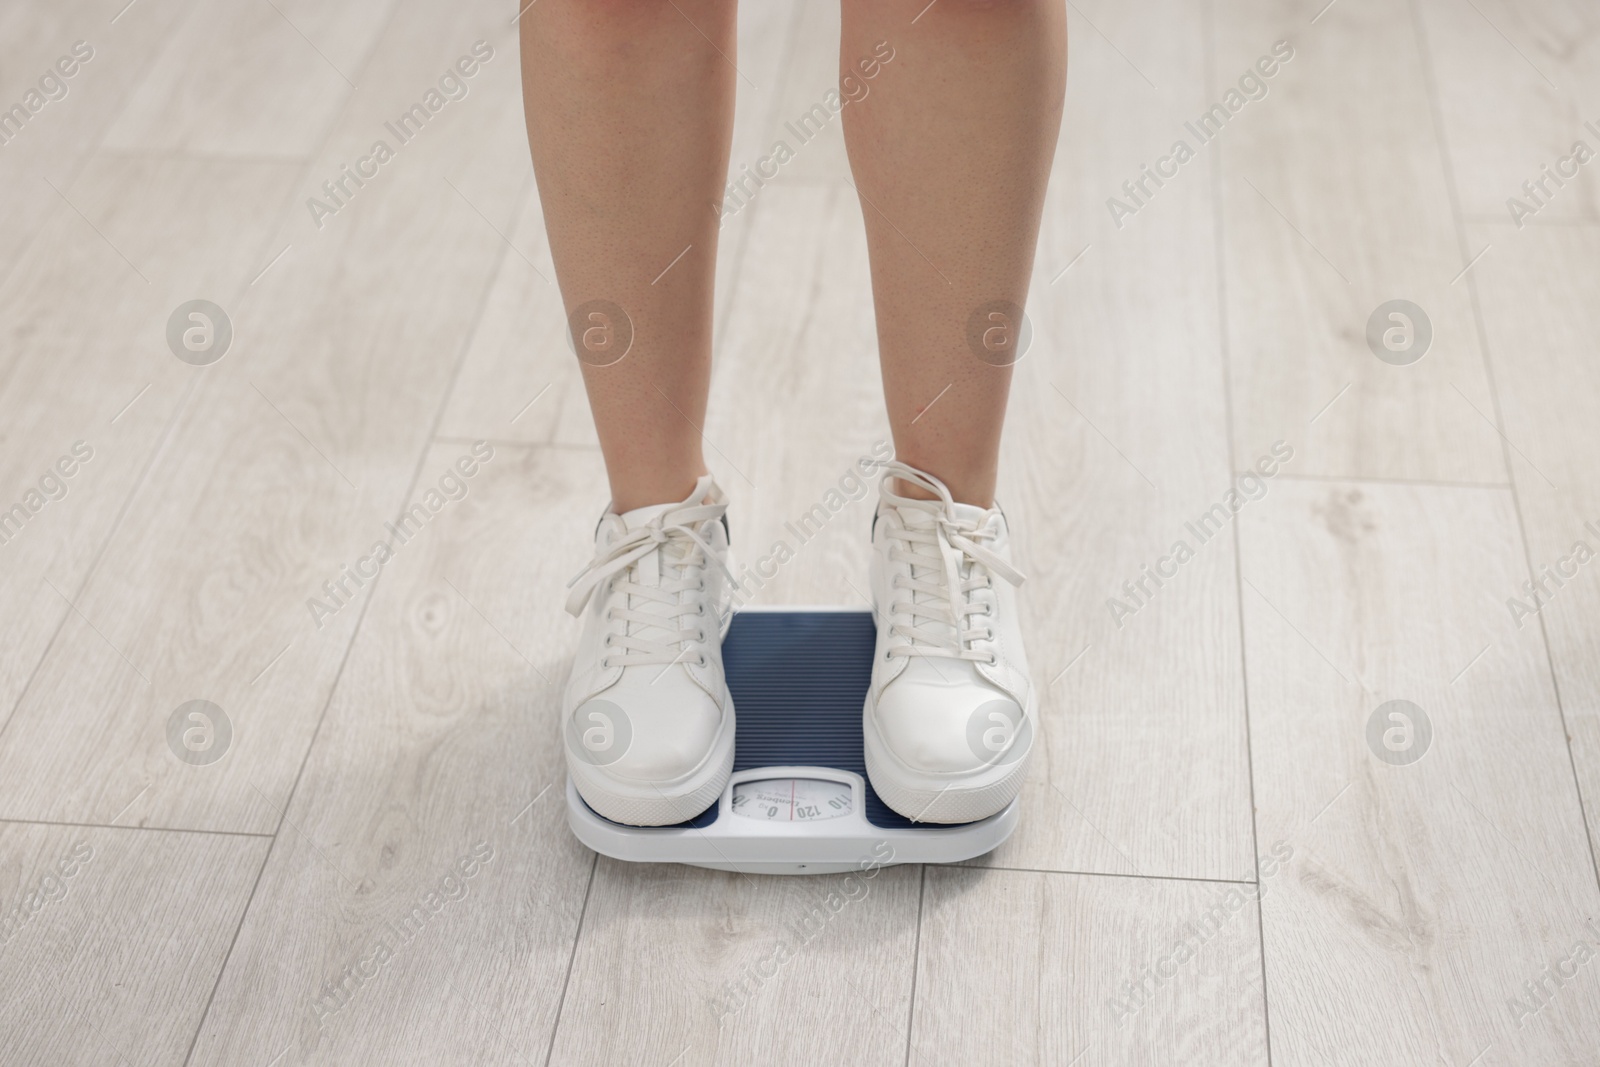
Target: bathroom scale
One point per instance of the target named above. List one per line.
(798, 801)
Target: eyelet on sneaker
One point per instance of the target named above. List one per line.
(992, 660)
(606, 643)
(701, 660)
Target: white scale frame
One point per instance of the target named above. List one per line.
(750, 845)
(735, 842)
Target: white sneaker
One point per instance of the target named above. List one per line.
(951, 713)
(647, 718)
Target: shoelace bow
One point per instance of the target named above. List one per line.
(674, 528)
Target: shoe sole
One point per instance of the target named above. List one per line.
(942, 798)
(644, 803)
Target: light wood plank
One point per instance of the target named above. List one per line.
(442, 737)
(283, 469)
(1516, 83)
(813, 71)
(1541, 322)
(118, 959)
(85, 358)
(56, 141)
(796, 401)
(1023, 967)
(1420, 897)
(1335, 199)
(246, 78)
(719, 968)
(520, 374)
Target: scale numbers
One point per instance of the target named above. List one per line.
(791, 799)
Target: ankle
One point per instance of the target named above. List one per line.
(644, 494)
(974, 491)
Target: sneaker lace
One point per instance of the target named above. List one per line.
(946, 563)
(683, 553)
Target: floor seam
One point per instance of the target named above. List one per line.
(1481, 328)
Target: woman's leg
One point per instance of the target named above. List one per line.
(951, 150)
(630, 111)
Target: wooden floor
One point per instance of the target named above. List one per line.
(1221, 860)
